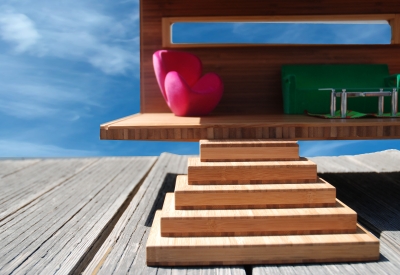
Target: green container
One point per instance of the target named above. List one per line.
(300, 84)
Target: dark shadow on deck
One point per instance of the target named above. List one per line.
(374, 196)
(168, 185)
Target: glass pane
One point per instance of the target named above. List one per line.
(373, 32)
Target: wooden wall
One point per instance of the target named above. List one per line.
(251, 75)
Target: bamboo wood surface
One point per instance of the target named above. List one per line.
(123, 252)
(251, 75)
(167, 126)
(185, 251)
(256, 172)
(56, 232)
(395, 24)
(253, 196)
(248, 150)
(259, 222)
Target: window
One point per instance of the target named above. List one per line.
(184, 32)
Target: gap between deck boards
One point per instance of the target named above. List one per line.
(86, 259)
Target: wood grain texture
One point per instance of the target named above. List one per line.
(186, 251)
(257, 172)
(253, 196)
(251, 75)
(35, 178)
(395, 24)
(248, 150)
(57, 232)
(167, 126)
(11, 166)
(255, 222)
(124, 250)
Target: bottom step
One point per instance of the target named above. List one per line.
(189, 251)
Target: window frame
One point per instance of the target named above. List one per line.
(167, 22)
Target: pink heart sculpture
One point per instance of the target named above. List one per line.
(186, 92)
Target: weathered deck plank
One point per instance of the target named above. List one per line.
(379, 162)
(25, 183)
(10, 166)
(124, 250)
(56, 232)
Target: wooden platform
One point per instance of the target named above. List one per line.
(260, 150)
(237, 236)
(183, 251)
(256, 222)
(167, 126)
(254, 172)
(318, 194)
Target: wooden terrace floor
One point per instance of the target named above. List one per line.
(93, 215)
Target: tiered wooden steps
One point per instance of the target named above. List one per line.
(252, 196)
(255, 211)
(254, 172)
(257, 222)
(241, 150)
(189, 251)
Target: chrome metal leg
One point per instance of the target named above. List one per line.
(394, 102)
(381, 104)
(333, 103)
(343, 105)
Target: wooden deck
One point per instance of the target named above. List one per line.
(93, 215)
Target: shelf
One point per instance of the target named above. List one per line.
(167, 126)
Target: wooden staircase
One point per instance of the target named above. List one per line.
(266, 206)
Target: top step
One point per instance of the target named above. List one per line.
(248, 150)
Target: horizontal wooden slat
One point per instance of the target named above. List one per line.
(257, 172)
(253, 196)
(185, 251)
(166, 126)
(248, 150)
(255, 222)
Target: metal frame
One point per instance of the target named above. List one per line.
(344, 95)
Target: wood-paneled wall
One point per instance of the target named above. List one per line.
(251, 75)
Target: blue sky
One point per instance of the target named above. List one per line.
(68, 66)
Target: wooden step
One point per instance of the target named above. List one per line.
(192, 251)
(248, 150)
(255, 172)
(252, 196)
(256, 222)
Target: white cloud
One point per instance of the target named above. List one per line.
(113, 60)
(18, 29)
(12, 148)
(29, 93)
(74, 30)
